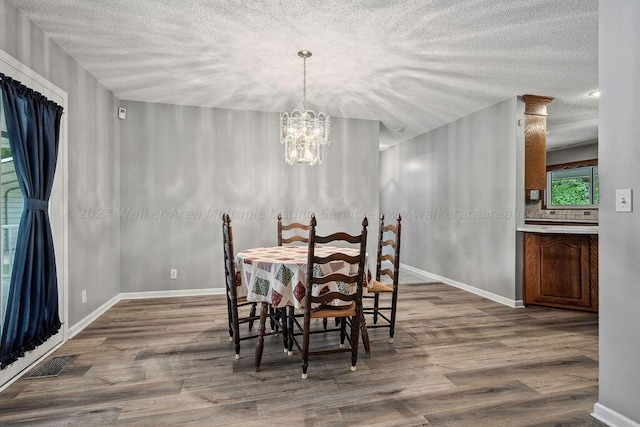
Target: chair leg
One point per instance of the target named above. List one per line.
(230, 318)
(324, 323)
(365, 336)
(290, 320)
(274, 325)
(355, 336)
(392, 323)
(343, 330)
(285, 329)
(236, 328)
(252, 313)
(305, 346)
(376, 304)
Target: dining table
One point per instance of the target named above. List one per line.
(277, 277)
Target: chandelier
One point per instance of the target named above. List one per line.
(303, 133)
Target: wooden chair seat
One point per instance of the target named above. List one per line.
(379, 287)
(334, 311)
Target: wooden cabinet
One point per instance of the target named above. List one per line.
(561, 270)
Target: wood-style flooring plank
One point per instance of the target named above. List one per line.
(514, 412)
(457, 360)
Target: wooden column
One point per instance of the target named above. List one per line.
(535, 138)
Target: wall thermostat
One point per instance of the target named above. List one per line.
(122, 113)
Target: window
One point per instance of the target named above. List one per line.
(575, 186)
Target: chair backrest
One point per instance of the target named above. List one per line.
(389, 238)
(314, 261)
(229, 262)
(296, 228)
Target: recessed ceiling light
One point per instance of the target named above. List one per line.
(594, 94)
(399, 130)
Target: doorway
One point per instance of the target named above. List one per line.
(11, 209)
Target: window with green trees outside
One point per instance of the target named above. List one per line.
(576, 187)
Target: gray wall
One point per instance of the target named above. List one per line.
(459, 187)
(573, 154)
(181, 167)
(619, 155)
(93, 162)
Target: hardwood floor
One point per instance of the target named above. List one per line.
(457, 360)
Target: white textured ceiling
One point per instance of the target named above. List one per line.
(411, 64)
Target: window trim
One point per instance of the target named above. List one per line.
(591, 163)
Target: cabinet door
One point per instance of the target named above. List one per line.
(559, 271)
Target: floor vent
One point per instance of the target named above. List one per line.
(52, 368)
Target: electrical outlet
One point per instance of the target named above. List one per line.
(84, 296)
(174, 273)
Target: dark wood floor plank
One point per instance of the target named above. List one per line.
(457, 359)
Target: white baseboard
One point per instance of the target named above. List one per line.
(611, 417)
(168, 294)
(472, 289)
(78, 327)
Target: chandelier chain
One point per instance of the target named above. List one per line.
(304, 84)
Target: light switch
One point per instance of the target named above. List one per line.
(624, 200)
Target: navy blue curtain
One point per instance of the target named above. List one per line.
(33, 126)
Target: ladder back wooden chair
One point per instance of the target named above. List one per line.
(375, 304)
(319, 307)
(296, 232)
(233, 280)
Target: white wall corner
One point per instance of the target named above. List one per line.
(472, 289)
(611, 417)
(78, 327)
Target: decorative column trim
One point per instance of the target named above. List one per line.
(535, 138)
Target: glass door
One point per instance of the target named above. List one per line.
(11, 205)
(11, 202)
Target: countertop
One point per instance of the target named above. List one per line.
(559, 229)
